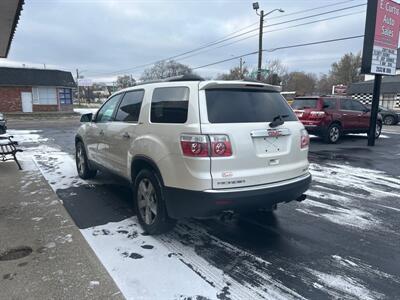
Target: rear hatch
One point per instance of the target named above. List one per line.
(304, 106)
(261, 154)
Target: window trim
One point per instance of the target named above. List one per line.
(62, 90)
(120, 102)
(168, 87)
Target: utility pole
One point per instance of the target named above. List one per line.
(241, 63)
(260, 40)
(256, 6)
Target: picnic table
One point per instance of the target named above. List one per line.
(8, 149)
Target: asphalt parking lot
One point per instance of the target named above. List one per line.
(342, 242)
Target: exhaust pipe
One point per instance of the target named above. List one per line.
(302, 198)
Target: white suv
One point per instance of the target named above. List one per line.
(194, 148)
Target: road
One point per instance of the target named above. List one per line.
(342, 242)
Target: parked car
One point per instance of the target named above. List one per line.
(193, 148)
(3, 124)
(331, 117)
(389, 116)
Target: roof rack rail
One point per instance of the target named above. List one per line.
(252, 80)
(185, 77)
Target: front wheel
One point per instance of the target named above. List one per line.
(150, 205)
(82, 163)
(378, 129)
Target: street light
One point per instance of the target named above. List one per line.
(256, 7)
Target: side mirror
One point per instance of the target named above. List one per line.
(367, 110)
(325, 106)
(86, 118)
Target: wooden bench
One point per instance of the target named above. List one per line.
(8, 148)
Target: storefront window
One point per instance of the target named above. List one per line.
(65, 96)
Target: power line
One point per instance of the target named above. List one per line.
(226, 39)
(280, 48)
(274, 30)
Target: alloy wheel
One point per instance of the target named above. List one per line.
(334, 134)
(378, 130)
(147, 201)
(80, 160)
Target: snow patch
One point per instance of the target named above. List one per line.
(339, 286)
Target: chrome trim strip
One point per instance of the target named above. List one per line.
(260, 187)
(269, 132)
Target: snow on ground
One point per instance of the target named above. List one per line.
(337, 285)
(339, 192)
(171, 269)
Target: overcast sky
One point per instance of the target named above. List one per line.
(103, 36)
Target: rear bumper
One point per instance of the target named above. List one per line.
(315, 129)
(184, 203)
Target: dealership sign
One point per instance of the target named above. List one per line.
(381, 37)
(85, 82)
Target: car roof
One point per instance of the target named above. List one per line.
(208, 84)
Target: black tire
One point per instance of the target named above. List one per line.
(333, 133)
(150, 204)
(378, 130)
(388, 120)
(82, 163)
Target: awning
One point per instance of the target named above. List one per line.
(10, 11)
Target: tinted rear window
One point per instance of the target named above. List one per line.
(170, 105)
(304, 103)
(246, 105)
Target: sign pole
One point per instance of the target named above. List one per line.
(374, 110)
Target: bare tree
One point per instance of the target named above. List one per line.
(164, 69)
(300, 82)
(235, 74)
(324, 84)
(276, 70)
(347, 70)
(125, 81)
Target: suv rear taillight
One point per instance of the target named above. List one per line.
(317, 114)
(196, 145)
(304, 139)
(220, 145)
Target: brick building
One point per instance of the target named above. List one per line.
(34, 90)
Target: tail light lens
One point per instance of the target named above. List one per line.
(304, 139)
(206, 146)
(317, 114)
(195, 145)
(220, 145)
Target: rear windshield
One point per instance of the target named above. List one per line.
(304, 103)
(246, 105)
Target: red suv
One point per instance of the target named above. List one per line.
(331, 117)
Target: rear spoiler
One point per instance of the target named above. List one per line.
(238, 85)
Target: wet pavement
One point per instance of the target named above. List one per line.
(342, 242)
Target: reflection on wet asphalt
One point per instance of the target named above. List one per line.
(342, 242)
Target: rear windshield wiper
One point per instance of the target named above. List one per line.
(277, 121)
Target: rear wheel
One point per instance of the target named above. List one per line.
(333, 133)
(389, 120)
(82, 163)
(150, 205)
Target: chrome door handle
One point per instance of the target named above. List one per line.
(101, 132)
(126, 135)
